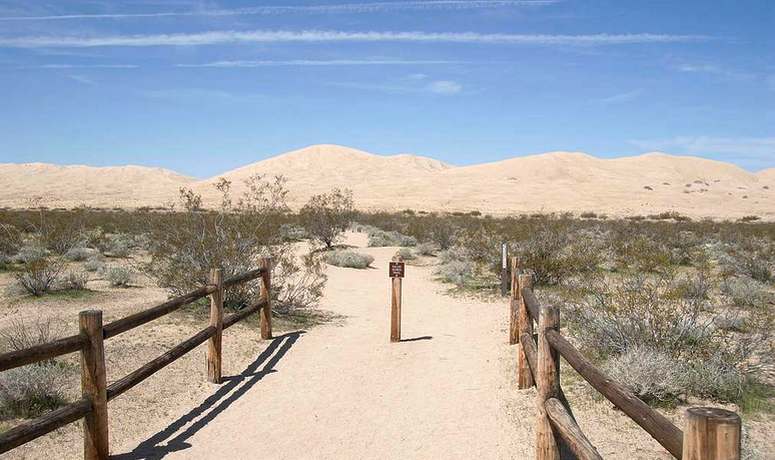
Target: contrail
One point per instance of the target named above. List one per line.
(313, 9)
(307, 62)
(323, 36)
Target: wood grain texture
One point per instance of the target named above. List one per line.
(214, 345)
(525, 377)
(548, 383)
(93, 386)
(265, 317)
(711, 434)
(568, 429)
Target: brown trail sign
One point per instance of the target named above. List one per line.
(396, 271)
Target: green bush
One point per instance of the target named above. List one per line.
(349, 259)
(119, 276)
(326, 216)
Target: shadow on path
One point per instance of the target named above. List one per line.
(415, 339)
(230, 391)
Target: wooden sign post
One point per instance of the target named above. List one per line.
(396, 272)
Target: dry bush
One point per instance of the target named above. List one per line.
(10, 241)
(553, 253)
(75, 281)
(186, 244)
(425, 249)
(38, 276)
(30, 390)
(119, 276)
(326, 216)
(302, 280)
(379, 238)
(674, 317)
(406, 254)
(94, 264)
(349, 259)
(651, 375)
(79, 254)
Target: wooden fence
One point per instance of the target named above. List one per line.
(709, 433)
(93, 405)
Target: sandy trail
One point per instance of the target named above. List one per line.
(343, 391)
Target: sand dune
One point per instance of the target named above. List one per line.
(549, 182)
(75, 185)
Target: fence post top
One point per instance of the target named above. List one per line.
(717, 414)
(90, 313)
(397, 257)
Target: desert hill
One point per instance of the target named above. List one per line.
(549, 182)
(74, 185)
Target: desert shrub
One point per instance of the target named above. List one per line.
(289, 232)
(20, 335)
(38, 276)
(442, 232)
(79, 254)
(425, 249)
(301, 283)
(10, 240)
(406, 254)
(117, 245)
(457, 272)
(187, 244)
(641, 253)
(94, 264)
(30, 253)
(75, 281)
(651, 375)
(745, 292)
(349, 259)
(326, 216)
(612, 317)
(553, 254)
(119, 276)
(30, 390)
(379, 238)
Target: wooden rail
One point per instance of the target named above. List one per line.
(709, 433)
(93, 406)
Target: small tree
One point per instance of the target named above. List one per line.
(327, 216)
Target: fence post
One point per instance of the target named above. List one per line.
(504, 269)
(265, 316)
(525, 326)
(216, 320)
(711, 434)
(516, 295)
(548, 383)
(93, 386)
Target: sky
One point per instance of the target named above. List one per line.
(202, 87)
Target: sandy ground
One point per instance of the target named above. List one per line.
(339, 390)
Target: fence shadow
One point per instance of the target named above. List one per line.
(230, 391)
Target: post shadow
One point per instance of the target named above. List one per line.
(416, 339)
(151, 448)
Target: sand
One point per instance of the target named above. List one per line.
(340, 390)
(551, 182)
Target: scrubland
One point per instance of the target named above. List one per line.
(679, 311)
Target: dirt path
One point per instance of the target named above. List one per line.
(343, 391)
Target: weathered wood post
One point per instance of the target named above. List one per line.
(504, 269)
(265, 316)
(514, 302)
(711, 434)
(396, 270)
(525, 377)
(548, 383)
(93, 386)
(216, 320)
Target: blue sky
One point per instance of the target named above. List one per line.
(204, 86)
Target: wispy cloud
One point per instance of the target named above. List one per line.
(81, 66)
(378, 7)
(445, 87)
(622, 97)
(322, 36)
(714, 69)
(193, 95)
(756, 152)
(81, 79)
(313, 63)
